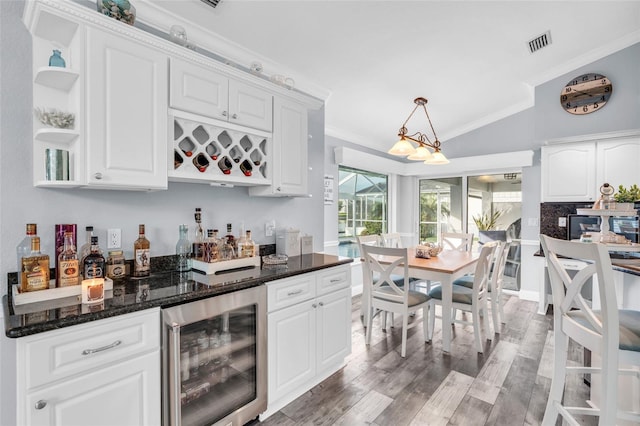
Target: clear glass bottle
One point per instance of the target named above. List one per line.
(34, 268)
(246, 246)
(24, 248)
(198, 241)
(230, 238)
(94, 263)
(85, 249)
(141, 259)
(68, 268)
(183, 249)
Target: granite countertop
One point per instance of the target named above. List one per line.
(162, 289)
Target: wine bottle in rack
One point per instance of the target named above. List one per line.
(201, 162)
(225, 165)
(246, 167)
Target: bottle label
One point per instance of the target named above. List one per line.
(115, 271)
(93, 270)
(142, 261)
(68, 274)
(35, 273)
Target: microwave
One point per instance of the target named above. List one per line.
(580, 224)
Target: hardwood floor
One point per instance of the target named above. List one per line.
(507, 385)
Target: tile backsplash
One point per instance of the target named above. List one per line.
(551, 212)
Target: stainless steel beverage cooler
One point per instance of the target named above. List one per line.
(215, 359)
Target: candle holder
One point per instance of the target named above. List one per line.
(93, 290)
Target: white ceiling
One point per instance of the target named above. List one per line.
(370, 59)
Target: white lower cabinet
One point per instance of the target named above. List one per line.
(309, 332)
(106, 372)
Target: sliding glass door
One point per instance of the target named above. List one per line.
(440, 207)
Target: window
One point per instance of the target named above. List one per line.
(440, 207)
(362, 207)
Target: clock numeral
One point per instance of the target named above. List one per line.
(563, 98)
(585, 108)
(607, 89)
(603, 81)
(568, 105)
(595, 105)
(567, 89)
(602, 99)
(585, 77)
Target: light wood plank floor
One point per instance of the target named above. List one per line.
(507, 385)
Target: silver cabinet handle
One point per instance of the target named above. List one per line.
(321, 303)
(41, 404)
(98, 176)
(103, 348)
(225, 113)
(335, 280)
(234, 116)
(278, 189)
(293, 293)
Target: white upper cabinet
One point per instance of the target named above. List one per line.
(575, 171)
(618, 162)
(199, 90)
(289, 158)
(568, 172)
(126, 113)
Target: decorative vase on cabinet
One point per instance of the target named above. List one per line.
(56, 59)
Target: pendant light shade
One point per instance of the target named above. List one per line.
(421, 154)
(402, 148)
(437, 158)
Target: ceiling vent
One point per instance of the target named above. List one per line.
(539, 42)
(212, 3)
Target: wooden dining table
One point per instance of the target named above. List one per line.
(445, 268)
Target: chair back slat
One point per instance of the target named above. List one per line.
(483, 266)
(457, 241)
(392, 239)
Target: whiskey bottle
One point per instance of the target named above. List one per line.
(68, 268)
(85, 249)
(24, 248)
(183, 249)
(246, 247)
(34, 268)
(211, 252)
(141, 260)
(94, 263)
(230, 238)
(198, 241)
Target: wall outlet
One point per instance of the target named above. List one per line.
(269, 228)
(114, 238)
(562, 222)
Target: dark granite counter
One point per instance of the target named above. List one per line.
(159, 290)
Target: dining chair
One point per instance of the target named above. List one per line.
(468, 299)
(612, 333)
(496, 278)
(457, 241)
(385, 295)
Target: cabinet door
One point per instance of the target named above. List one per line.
(198, 90)
(289, 154)
(618, 162)
(250, 106)
(291, 348)
(334, 328)
(123, 394)
(126, 113)
(568, 172)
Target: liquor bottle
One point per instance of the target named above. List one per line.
(85, 249)
(230, 238)
(225, 165)
(246, 167)
(34, 267)
(24, 248)
(94, 263)
(141, 260)
(68, 268)
(183, 249)
(211, 251)
(246, 246)
(199, 238)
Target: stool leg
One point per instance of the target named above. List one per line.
(561, 342)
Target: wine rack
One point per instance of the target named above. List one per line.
(204, 150)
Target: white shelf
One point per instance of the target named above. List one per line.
(51, 293)
(56, 77)
(59, 184)
(53, 135)
(226, 265)
(608, 213)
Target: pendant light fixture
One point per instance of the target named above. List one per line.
(404, 147)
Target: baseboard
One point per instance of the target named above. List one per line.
(356, 290)
(534, 296)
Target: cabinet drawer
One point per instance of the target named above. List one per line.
(85, 348)
(334, 279)
(287, 292)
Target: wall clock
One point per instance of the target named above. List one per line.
(586, 93)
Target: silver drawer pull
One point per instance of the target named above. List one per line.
(41, 404)
(335, 280)
(104, 348)
(293, 293)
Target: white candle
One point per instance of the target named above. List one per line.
(93, 290)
